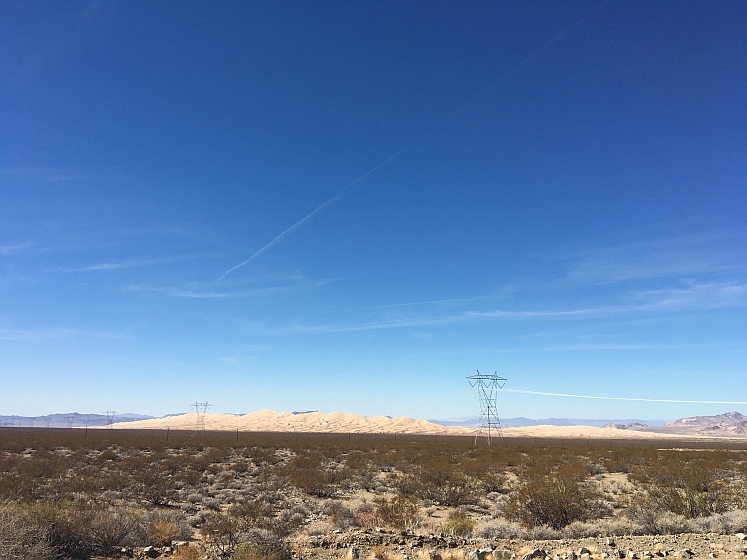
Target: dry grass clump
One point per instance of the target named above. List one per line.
(187, 553)
(459, 523)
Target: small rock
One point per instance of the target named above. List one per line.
(611, 542)
(583, 550)
(686, 553)
(632, 555)
(177, 544)
(151, 552)
(740, 536)
(536, 553)
(502, 554)
(434, 555)
(480, 553)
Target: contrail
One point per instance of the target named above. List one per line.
(526, 60)
(619, 398)
(319, 208)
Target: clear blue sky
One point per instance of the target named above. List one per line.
(569, 209)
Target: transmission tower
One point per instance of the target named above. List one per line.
(70, 419)
(200, 409)
(489, 423)
(110, 417)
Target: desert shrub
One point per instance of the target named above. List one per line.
(111, 527)
(21, 536)
(399, 512)
(286, 523)
(555, 499)
(542, 533)
(691, 490)
(160, 527)
(340, 515)
(317, 528)
(187, 553)
(735, 521)
(308, 473)
(162, 531)
(221, 533)
(70, 526)
(365, 516)
(657, 522)
(262, 546)
(154, 485)
(441, 484)
(459, 523)
(498, 529)
(493, 481)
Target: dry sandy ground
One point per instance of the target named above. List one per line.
(344, 422)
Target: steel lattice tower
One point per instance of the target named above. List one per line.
(487, 389)
(200, 409)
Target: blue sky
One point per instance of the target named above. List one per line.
(563, 200)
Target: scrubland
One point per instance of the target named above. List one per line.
(108, 494)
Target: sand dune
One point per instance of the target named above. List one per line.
(345, 422)
(271, 421)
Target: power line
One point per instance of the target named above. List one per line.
(634, 399)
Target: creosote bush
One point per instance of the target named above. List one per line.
(554, 499)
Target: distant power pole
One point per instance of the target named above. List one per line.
(200, 409)
(487, 390)
(47, 420)
(70, 419)
(110, 417)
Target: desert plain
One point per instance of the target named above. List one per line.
(277, 486)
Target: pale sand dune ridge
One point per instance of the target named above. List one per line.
(345, 422)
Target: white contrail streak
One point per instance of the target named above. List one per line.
(319, 208)
(619, 398)
(526, 60)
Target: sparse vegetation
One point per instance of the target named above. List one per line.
(65, 494)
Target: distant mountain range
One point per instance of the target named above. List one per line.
(69, 420)
(730, 424)
(521, 422)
